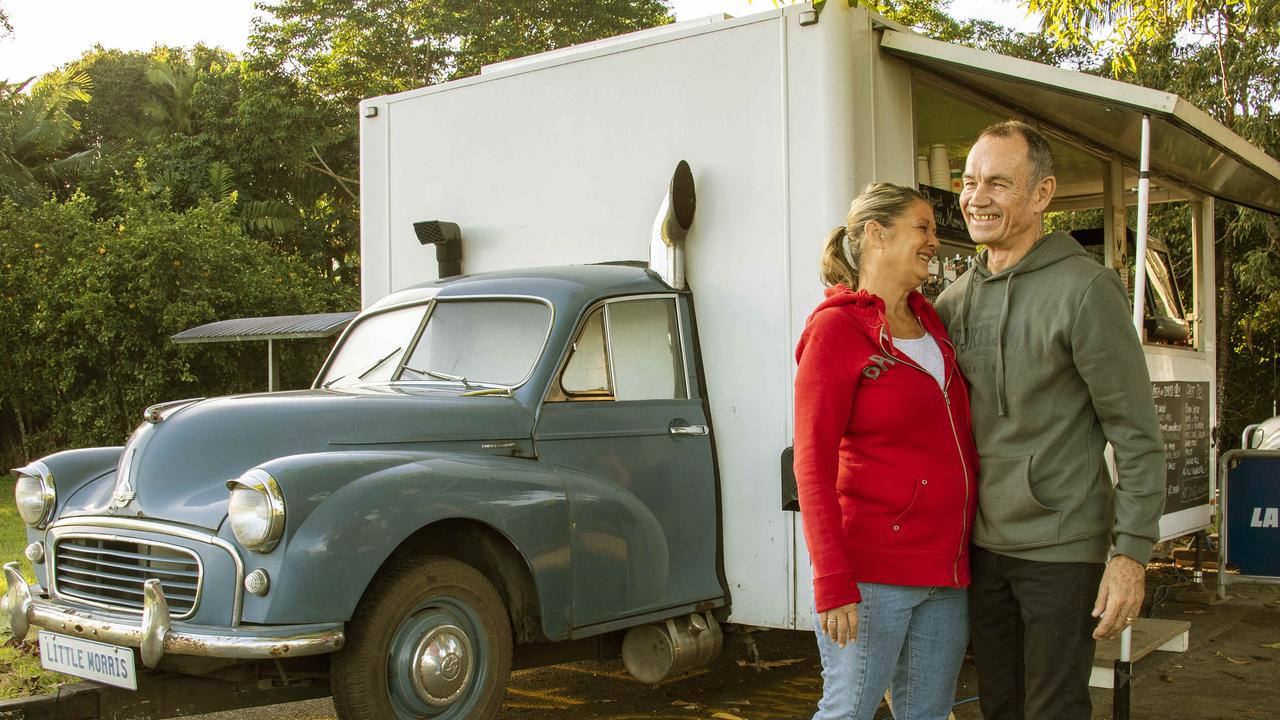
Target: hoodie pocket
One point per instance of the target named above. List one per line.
(1009, 515)
(904, 527)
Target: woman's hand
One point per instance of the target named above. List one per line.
(840, 624)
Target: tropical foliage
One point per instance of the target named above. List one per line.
(144, 193)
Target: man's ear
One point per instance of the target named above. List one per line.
(1042, 193)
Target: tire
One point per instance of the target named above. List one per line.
(435, 614)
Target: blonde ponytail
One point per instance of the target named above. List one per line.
(838, 260)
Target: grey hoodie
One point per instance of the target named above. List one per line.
(1056, 371)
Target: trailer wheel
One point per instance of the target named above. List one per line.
(429, 639)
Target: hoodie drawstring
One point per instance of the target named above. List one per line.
(1004, 320)
(962, 332)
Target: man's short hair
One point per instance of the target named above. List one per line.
(1038, 151)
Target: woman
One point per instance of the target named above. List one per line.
(886, 467)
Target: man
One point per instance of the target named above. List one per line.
(1044, 336)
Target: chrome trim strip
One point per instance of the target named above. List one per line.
(684, 351)
(91, 522)
(65, 535)
(606, 331)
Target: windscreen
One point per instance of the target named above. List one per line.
(494, 342)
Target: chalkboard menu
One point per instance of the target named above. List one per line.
(1183, 409)
(946, 212)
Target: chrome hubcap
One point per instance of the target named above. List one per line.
(442, 665)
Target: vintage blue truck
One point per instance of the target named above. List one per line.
(507, 457)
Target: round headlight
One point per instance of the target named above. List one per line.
(256, 510)
(35, 495)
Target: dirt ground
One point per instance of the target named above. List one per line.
(1230, 671)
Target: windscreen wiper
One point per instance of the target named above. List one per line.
(440, 376)
(366, 371)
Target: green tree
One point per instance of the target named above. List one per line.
(205, 124)
(87, 305)
(36, 128)
(1118, 28)
(352, 50)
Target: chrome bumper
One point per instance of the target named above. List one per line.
(156, 635)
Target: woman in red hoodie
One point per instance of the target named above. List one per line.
(886, 468)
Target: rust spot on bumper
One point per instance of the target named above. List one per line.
(178, 645)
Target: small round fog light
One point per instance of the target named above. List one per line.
(257, 582)
(35, 552)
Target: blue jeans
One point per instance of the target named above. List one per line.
(910, 640)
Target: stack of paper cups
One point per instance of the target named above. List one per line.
(939, 167)
(922, 170)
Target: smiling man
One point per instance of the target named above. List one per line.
(1056, 370)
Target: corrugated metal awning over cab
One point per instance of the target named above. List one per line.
(270, 329)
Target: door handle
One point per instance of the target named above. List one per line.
(689, 430)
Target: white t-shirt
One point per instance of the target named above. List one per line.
(926, 353)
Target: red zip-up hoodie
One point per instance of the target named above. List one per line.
(884, 458)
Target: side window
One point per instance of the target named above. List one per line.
(644, 346)
(586, 374)
(626, 350)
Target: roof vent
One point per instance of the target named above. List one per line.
(447, 237)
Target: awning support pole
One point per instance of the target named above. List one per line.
(273, 368)
(1140, 252)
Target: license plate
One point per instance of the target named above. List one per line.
(100, 662)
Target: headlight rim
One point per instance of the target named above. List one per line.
(48, 491)
(259, 480)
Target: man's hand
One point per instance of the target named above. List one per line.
(1120, 596)
(840, 624)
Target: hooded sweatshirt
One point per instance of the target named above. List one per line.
(884, 457)
(1056, 371)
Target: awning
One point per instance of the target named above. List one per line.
(1187, 145)
(280, 327)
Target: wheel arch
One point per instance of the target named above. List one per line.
(494, 555)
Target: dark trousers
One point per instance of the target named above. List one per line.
(1032, 636)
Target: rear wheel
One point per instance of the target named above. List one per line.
(430, 639)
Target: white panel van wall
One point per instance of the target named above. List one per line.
(567, 161)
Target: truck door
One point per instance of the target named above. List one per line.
(643, 507)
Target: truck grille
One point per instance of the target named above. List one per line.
(110, 572)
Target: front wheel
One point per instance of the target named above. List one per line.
(429, 639)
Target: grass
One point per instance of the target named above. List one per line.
(20, 671)
(13, 533)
